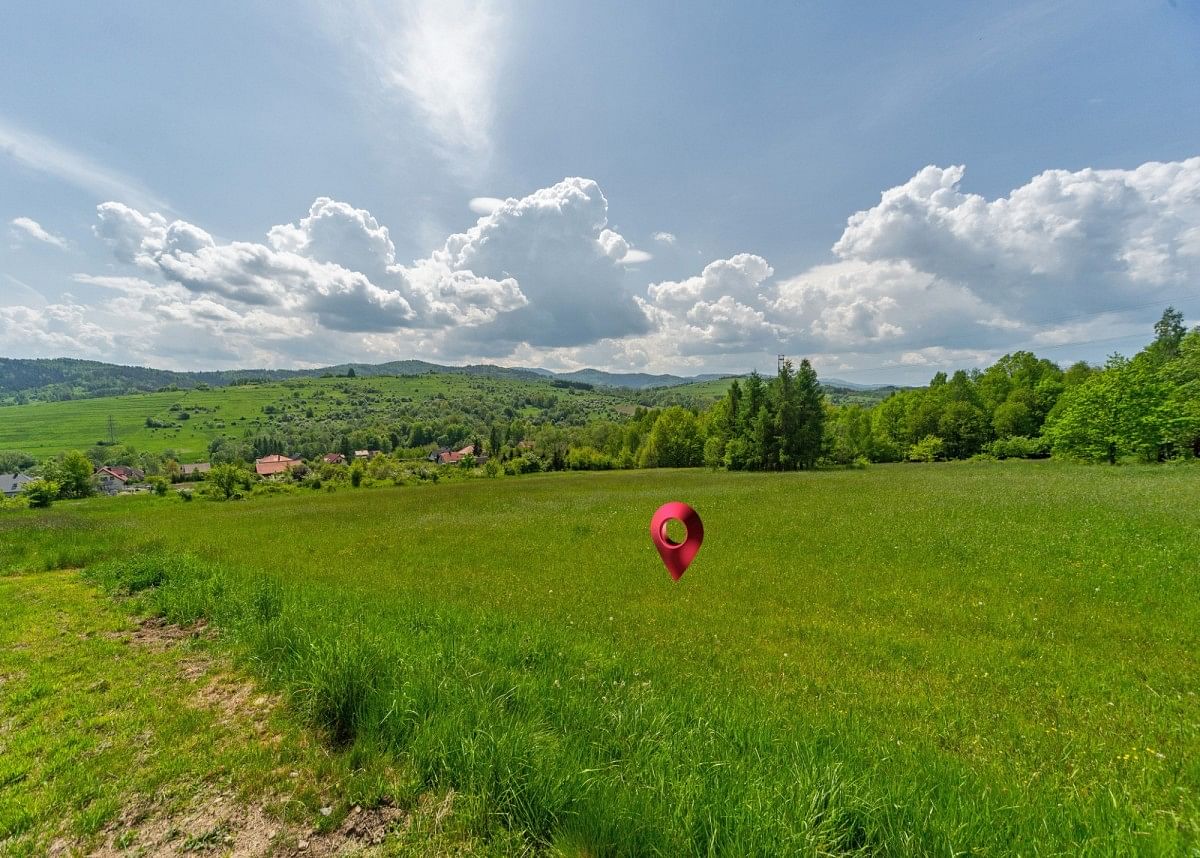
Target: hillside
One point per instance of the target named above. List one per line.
(57, 379)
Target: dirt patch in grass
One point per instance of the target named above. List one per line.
(157, 634)
(222, 822)
(221, 825)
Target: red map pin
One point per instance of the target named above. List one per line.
(677, 556)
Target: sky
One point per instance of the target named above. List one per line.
(886, 189)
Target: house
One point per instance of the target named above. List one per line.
(367, 454)
(195, 470)
(275, 464)
(11, 484)
(112, 479)
(447, 457)
(333, 459)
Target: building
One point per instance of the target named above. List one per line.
(367, 454)
(11, 484)
(448, 457)
(333, 459)
(275, 464)
(112, 479)
(195, 470)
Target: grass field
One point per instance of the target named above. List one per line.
(985, 658)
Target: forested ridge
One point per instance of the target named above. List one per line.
(1146, 407)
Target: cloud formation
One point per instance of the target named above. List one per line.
(931, 274)
(24, 227)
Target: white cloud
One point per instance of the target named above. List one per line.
(25, 227)
(557, 245)
(664, 237)
(46, 156)
(929, 276)
(633, 256)
(54, 330)
(485, 205)
(337, 263)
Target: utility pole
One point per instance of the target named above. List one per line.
(112, 430)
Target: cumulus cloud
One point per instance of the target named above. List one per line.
(664, 237)
(337, 263)
(557, 245)
(930, 275)
(53, 330)
(24, 227)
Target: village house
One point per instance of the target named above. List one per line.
(11, 484)
(333, 459)
(194, 470)
(274, 465)
(453, 457)
(367, 454)
(113, 479)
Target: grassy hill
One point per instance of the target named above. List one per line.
(45, 428)
(55, 379)
(186, 421)
(870, 662)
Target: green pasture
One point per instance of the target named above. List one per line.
(957, 659)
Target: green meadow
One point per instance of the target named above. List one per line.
(970, 658)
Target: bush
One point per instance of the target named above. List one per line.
(928, 449)
(159, 485)
(1020, 447)
(41, 493)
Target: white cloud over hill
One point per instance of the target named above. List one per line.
(930, 273)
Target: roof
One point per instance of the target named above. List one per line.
(274, 464)
(12, 483)
(333, 458)
(195, 468)
(124, 473)
(447, 458)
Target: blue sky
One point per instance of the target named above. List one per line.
(890, 189)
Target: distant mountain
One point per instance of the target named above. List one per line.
(636, 380)
(852, 385)
(67, 378)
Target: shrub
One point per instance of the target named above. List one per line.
(928, 449)
(40, 493)
(1020, 447)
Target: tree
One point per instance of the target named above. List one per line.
(1168, 335)
(350, 373)
(73, 473)
(963, 429)
(1013, 417)
(228, 481)
(41, 493)
(805, 446)
(674, 440)
(12, 461)
(1114, 413)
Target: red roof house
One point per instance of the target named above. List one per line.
(269, 466)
